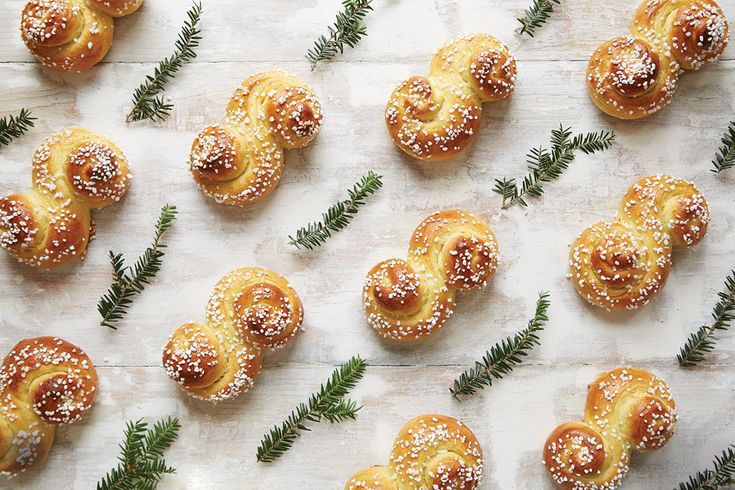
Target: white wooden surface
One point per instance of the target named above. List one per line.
(217, 445)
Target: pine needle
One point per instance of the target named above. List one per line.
(141, 463)
(127, 281)
(723, 474)
(536, 16)
(12, 127)
(725, 158)
(339, 215)
(347, 30)
(329, 403)
(545, 165)
(703, 340)
(504, 356)
(147, 103)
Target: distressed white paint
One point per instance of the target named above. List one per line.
(217, 446)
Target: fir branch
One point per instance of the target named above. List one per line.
(147, 103)
(339, 215)
(536, 16)
(545, 165)
(703, 340)
(723, 474)
(14, 126)
(329, 403)
(141, 463)
(127, 281)
(348, 29)
(725, 157)
(504, 356)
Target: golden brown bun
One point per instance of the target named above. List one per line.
(622, 264)
(250, 310)
(431, 451)
(436, 117)
(74, 171)
(44, 382)
(411, 299)
(632, 76)
(627, 410)
(241, 162)
(72, 35)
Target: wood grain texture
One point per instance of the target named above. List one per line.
(217, 446)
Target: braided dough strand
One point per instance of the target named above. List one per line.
(72, 35)
(411, 299)
(622, 264)
(74, 171)
(241, 162)
(437, 117)
(250, 310)
(431, 451)
(44, 382)
(627, 410)
(632, 76)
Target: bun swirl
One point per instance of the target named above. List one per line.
(431, 451)
(72, 35)
(627, 410)
(622, 264)
(250, 310)
(44, 382)
(411, 299)
(241, 162)
(436, 117)
(74, 171)
(633, 76)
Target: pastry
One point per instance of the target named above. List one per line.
(622, 264)
(74, 171)
(430, 452)
(241, 161)
(251, 310)
(633, 76)
(411, 299)
(44, 382)
(627, 410)
(436, 117)
(72, 35)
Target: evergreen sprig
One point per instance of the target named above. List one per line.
(536, 16)
(545, 165)
(703, 340)
(723, 474)
(348, 29)
(329, 403)
(725, 158)
(129, 281)
(504, 356)
(147, 103)
(339, 215)
(15, 126)
(141, 463)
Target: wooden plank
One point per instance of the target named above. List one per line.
(217, 445)
(279, 30)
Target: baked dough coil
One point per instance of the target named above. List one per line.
(44, 382)
(632, 76)
(430, 452)
(74, 171)
(72, 35)
(411, 299)
(250, 310)
(436, 117)
(622, 264)
(627, 410)
(241, 162)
